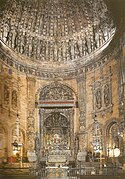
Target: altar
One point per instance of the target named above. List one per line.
(59, 172)
(56, 165)
(56, 145)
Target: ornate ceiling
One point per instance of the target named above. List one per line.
(55, 35)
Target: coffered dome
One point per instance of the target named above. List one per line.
(56, 33)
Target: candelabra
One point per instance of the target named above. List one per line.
(17, 144)
(97, 141)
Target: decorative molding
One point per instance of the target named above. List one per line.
(56, 103)
(30, 132)
(82, 101)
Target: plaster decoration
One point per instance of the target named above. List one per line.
(121, 99)
(30, 132)
(121, 84)
(98, 99)
(107, 95)
(58, 32)
(82, 141)
(76, 144)
(31, 82)
(102, 93)
(6, 95)
(52, 73)
(72, 137)
(14, 99)
(37, 145)
(82, 101)
(56, 91)
(82, 115)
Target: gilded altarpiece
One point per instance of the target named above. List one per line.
(56, 103)
(57, 131)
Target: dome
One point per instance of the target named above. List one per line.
(55, 34)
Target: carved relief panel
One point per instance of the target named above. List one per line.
(31, 107)
(56, 91)
(10, 95)
(98, 98)
(107, 95)
(102, 94)
(6, 95)
(30, 131)
(14, 99)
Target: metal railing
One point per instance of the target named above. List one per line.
(76, 173)
(72, 173)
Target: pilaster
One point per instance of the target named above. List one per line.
(82, 116)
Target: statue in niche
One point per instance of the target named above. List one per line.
(10, 36)
(30, 123)
(76, 143)
(77, 52)
(80, 46)
(63, 50)
(22, 43)
(86, 47)
(30, 47)
(6, 32)
(56, 139)
(106, 95)
(6, 95)
(15, 40)
(14, 99)
(98, 99)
